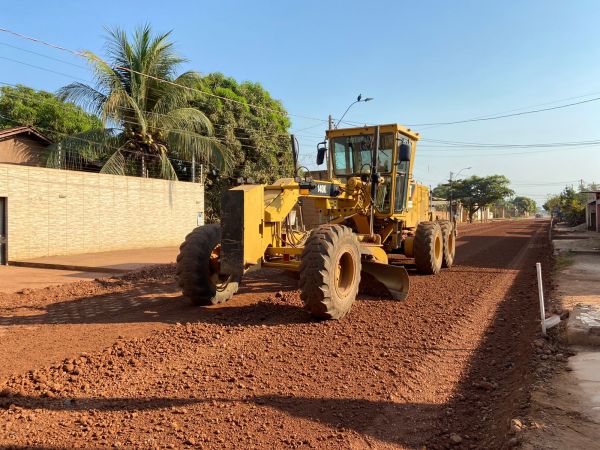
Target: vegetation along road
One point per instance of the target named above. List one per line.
(128, 363)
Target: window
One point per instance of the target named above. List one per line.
(352, 154)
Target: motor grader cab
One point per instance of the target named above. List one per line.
(373, 219)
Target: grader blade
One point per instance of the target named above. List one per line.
(393, 278)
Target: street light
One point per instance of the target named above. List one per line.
(457, 174)
(358, 99)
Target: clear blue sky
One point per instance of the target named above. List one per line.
(423, 62)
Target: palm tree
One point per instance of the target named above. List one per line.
(148, 123)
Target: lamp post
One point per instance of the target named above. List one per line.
(457, 174)
(358, 100)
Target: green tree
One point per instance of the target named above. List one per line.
(476, 192)
(147, 123)
(552, 203)
(22, 105)
(253, 125)
(572, 206)
(569, 205)
(524, 205)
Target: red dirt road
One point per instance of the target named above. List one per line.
(448, 368)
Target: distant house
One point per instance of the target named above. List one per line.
(592, 211)
(23, 146)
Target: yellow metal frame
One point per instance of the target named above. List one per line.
(268, 242)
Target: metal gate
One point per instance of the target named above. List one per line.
(3, 231)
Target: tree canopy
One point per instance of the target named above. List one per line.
(524, 205)
(54, 118)
(475, 192)
(569, 205)
(253, 125)
(148, 123)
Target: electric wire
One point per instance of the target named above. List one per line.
(87, 57)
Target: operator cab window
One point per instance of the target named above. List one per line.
(352, 154)
(341, 163)
(386, 149)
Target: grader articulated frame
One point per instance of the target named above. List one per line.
(370, 210)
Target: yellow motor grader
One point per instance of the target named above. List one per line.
(369, 215)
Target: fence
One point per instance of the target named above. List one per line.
(61, 212)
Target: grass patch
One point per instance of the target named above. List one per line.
(562, 261)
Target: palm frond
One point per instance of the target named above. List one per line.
(122, 108)
(79, 149)
(115, 165)
(167, 171)
(83, 95)
(187, 145)
(171, 97)
(183, 119)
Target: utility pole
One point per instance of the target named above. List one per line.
(193, 168)
(451, 216)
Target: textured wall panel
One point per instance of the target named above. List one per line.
(60, 212)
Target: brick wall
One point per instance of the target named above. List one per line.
(61, 212)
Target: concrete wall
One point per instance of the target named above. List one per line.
(21, 149)
(61, 212)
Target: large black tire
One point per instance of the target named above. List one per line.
(198, 275)
(330, 271)
(449, 239)
(428, 248)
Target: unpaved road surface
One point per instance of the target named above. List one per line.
(127, 363)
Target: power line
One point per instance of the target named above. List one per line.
(523, 153)
(503, 116)
(43, 68)
(479, 145)
(161, 80)
(44, 56)
(476, 119)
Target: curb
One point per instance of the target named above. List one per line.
(36, 265)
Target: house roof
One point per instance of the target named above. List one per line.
(30, 131)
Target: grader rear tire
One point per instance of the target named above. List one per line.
(428, 248)
(197, 270)
(330, 271)
(449, 239)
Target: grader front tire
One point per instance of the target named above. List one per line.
(198, 268)
(330, 271)
(428, 248)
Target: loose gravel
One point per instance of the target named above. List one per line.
(450, 367)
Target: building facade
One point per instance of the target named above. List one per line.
(22, 145)
(592, 211)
